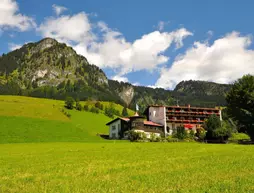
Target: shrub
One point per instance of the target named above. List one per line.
(143, 136)
(134, 136)
(94, 110)
(239, 136)
(191, 134)
(158, 139)
(181, 133)
(86, 108)
(78, 106)
(152, 137)
(66, 113)
(109, 112)
(98, 105)
(171, 139)
(69, 103)
(200, 134)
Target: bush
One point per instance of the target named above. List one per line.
(181, 133)
(66, 113)
(239, 136)
(98, 105)
(171, 139)
(78, 106)
(94, 110)
(109, 112)
(134, 136)
(69, 103)
(86, 108)
(200, 134)
(191, 134)
(143, 136)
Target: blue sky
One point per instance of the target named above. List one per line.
(151, 43)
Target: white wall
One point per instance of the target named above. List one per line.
(158, 115)
(113, 133)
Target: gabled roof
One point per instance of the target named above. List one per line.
(152, 124)
(121, 118)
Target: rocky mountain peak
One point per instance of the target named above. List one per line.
(44, 44)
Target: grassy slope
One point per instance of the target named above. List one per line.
(126, 167)
(25, 119)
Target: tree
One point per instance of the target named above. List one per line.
(69, 103)
(99, 105)
(78, 106)
(86, 108)
(240, 100)
(181, 133)
(124, 112)
(211, 124)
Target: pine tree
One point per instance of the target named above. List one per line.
(124, 112)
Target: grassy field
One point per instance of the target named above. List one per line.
(24, 119)
(42, 150)
(126, 167)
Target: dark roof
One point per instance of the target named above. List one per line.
(123, 119)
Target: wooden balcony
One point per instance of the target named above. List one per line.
(185, 121)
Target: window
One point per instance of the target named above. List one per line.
(118, 127)
(113, 127)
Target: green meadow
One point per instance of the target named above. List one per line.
(126, 167)
(42, 150)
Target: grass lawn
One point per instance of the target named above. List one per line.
(26, 119)
(126, 167)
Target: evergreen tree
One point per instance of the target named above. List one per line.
(124, 112)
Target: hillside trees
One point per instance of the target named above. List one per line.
(69, 103)
(240, 101)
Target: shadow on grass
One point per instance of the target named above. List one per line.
(103, 136)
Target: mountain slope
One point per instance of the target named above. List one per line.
(202, 88)
(48, 62)
(49, 69)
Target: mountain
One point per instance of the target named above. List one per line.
(49, 69)
(202, 88)
(48, 62)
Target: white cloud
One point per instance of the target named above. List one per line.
(13, 46)
(67, 28)
(144, 53)
(120, 78)
(108, 48)
(58, 9)
(136, 84)
(227, 59)
(10, 18)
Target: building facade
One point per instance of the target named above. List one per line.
(172, 117)
(119, 126)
